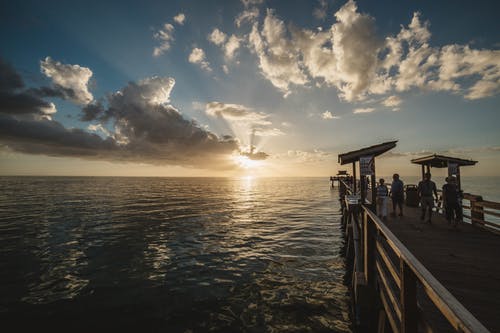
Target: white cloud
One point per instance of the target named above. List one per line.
(232, 45)
(180, 18)
(259, 131)
(165, 36)
(217, 37)
(357, 62)
(363, 110)
(328, 115)
(248, 15)
(248, 3)
(321, 11)
(73, 80)
(278, 60)
(236, 112)
(392, 101)
(197, 56)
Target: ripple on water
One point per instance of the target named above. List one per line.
(183, 254)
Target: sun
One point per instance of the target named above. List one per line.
(246, 163)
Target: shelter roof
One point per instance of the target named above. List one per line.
(376, 150)
(440, 161)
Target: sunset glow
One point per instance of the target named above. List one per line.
(220, 88)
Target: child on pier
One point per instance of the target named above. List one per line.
(451, 200)
(382, 193)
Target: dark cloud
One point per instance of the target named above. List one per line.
(147, 128)
(14, 100)
(9, 78)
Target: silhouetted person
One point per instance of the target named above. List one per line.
(451, 201)
(397, 194)
(382, 193)
(426, 189)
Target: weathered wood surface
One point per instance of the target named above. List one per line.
(466, 261)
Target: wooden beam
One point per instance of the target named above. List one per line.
(409, 311)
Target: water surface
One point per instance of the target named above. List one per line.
(171, 254)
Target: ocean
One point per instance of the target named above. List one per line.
(85, 254)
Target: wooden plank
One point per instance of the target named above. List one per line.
(369, 232)
(389, 264)
(388, 290)
(388, 312)
(409, 311)
(424, 325)
(489, 204)
(458, 316)
(491, 213)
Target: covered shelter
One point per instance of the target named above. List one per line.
(439, 161)
(365, 156)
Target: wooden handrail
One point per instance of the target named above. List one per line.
(456, 314)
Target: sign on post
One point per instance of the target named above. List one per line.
(366, 166)
(453, 169)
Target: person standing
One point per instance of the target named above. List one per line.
(426, 189)
(397, 194)
(382, 193)
(451, 201)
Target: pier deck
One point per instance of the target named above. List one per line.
(466, 261)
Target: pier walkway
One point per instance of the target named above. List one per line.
(466, 261)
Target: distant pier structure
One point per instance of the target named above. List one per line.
(342, 175)
(410, 276)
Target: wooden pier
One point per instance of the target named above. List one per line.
(410, 276)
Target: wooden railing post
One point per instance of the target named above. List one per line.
(409, 314)
(369, 232)
(476, 211)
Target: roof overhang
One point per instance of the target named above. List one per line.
(376, 150)
(440, 161)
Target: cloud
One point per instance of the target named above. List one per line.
(392, 101)
(301, 156)
(165, 36)
(248, 15)
(248, 3)
(232, 45)
(363, 110)
(180, 18)
(278, 61)
(70, 80)
(236, 112)
(144, 126)
(357, 62)
(320, 12)
(197, 56)
(328, 115)
(217, 37)
(17, 101)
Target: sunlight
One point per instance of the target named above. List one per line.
(247, 163)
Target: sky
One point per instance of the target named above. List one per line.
(250, 87)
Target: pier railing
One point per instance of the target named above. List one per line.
(406, 289)
(481, 213)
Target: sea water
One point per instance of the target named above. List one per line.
(171, 255)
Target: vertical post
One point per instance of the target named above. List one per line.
(374, 190)
(423, 171)
(459, 183)
(369, 249)
(409, 314)
(476, 211)
(362, 185)
(428, 168)
(354, 177)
